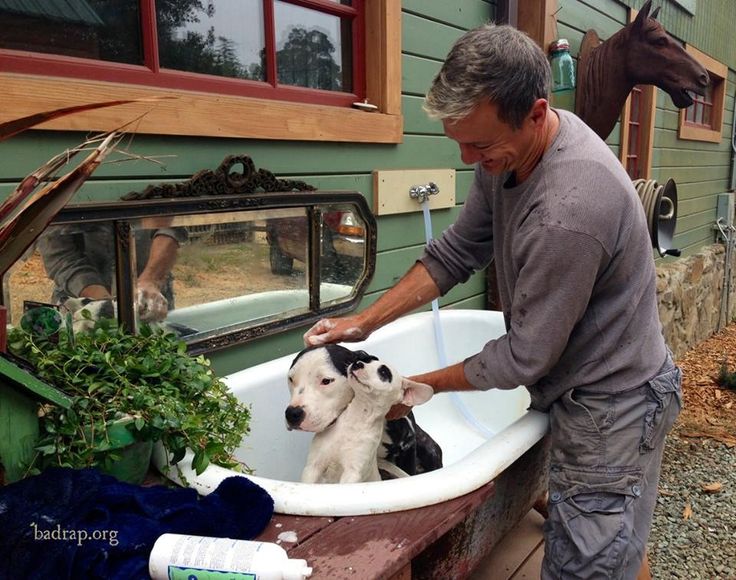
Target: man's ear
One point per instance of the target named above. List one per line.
(538, 114)
(415, 393)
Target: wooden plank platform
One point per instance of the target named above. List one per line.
(518, 556)
(447, 540)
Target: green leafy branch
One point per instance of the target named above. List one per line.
(147, 381)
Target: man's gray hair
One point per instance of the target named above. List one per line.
(490, 63)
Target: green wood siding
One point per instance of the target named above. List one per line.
(429, 28)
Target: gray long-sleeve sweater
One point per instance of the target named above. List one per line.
(575, 272)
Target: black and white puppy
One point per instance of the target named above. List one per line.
(86, 311)
(322, 388)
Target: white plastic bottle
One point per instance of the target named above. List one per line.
(176, 556)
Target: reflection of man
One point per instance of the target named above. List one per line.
(80, 259)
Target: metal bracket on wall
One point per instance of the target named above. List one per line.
(390, 187)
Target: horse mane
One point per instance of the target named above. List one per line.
(602, 86)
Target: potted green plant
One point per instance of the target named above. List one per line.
(129, 391)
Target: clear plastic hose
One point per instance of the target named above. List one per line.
(440, 341)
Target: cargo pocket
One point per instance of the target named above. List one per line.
(664, 403)
(591, 518)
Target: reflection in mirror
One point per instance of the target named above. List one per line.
(26, 282)
(69, 266)
(224, 272)
(216, 273)
(343, 252)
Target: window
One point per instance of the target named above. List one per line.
(703, 120)
(250, 47)
(637, 129)
(700, 113)
(311, 56)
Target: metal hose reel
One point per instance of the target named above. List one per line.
(660, 208)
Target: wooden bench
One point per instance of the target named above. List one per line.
(446, 540)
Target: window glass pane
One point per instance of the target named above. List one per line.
(698, 112)
(634, 139)
(219, 37)
(313, 49)
(690, 114)
(100, 29)
(706, 115)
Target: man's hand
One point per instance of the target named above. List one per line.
(327, 330)
(398, 411)
(150, 303)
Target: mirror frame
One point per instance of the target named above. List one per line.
(121, 214)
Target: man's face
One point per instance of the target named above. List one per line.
(484, 138)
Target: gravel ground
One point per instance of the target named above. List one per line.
(694, 530)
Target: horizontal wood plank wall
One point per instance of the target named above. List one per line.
(576, 17)
(429, 28)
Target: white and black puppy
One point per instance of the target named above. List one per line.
(86, 311)
(321, 392)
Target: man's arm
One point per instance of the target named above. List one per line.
(161, 259)
(415, 289)
(68, 266)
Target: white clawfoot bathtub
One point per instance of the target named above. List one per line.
(277, 456)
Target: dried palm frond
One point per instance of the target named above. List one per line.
(32, 212)
(26, 212)
(10, 128)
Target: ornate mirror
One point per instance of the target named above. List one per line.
(217, 270)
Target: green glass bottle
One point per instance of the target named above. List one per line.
(563, 75)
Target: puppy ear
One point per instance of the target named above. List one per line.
(363, 356)
(415, 393)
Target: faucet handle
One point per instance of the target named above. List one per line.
(422, 192)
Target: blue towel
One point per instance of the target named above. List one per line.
(69, 523)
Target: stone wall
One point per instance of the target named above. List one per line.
(689, 294)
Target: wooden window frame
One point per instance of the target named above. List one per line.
(538, 19)
(719, 73)
(648, 112)
(202, 114)
(648, 108)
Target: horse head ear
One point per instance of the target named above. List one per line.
(654, 14)
(643, 14)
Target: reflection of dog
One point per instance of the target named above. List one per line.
(348, 417)
(86, 311)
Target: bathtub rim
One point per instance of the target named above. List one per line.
(329, 499)
(478, 467)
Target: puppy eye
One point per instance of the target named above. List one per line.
(327, 381)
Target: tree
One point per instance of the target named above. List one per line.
(306, 60)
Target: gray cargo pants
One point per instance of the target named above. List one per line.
(606, 453)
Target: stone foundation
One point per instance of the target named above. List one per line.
(689, 294)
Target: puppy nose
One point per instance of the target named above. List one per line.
(358, 365)
(294, 415)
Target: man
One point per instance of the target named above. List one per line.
(576, 281)
(80, 259)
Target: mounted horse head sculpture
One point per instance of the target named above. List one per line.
(640, 53)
